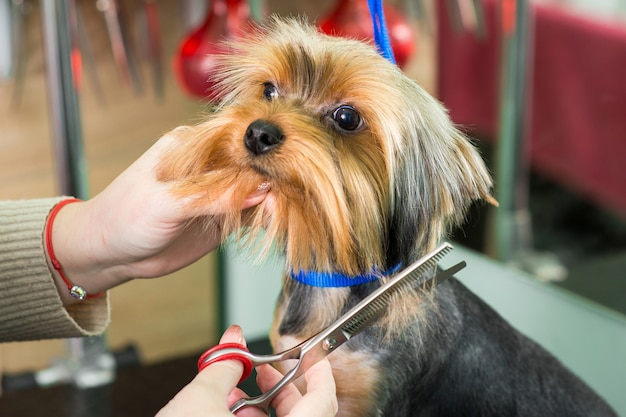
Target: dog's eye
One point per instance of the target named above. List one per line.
(269, 91)
(347, 118)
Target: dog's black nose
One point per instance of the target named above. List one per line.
(262, 136)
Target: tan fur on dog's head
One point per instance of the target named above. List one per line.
(369, 171)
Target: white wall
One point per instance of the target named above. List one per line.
(250, 290)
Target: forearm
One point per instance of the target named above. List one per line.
(30, 305)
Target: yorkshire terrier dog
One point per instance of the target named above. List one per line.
(367, 174)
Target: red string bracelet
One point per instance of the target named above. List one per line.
(76, 291)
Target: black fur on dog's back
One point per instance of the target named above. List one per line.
(476, 364)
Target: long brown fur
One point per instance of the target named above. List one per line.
(332, 191)
(362, 198)
(352, 202)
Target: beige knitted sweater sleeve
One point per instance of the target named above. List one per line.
(30, 306)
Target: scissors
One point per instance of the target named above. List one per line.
(314, 349)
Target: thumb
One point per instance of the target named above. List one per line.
(208, 392)
(224, 375)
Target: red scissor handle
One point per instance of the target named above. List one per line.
(245, 361)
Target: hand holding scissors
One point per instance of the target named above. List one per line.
(213, 389)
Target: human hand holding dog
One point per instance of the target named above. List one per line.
(214, 390)
(135, 228)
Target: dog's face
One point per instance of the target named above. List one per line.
(365, 168)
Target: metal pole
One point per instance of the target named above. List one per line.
(63, 100)
(511, 231)
(91, 364)
(511, 239)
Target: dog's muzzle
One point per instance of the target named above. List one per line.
(262, 136)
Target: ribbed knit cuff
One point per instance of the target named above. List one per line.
(30, 306)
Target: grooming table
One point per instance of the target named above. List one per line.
(587, 337)
(578, 99)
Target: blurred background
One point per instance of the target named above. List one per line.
(539, 85)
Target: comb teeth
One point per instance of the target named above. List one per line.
(413, 279)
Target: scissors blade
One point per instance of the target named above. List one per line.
(371, 308)
(365, 319)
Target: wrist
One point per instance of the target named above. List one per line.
(77, 272)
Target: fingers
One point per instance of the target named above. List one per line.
(320, 399)
(171, 140)
(244, 412)
(234, 335)
(258, 196)
(321, 390)
(267, 377)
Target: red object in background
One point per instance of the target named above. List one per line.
(195, 60)
(351, 18)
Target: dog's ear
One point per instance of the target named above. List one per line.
(439, 173)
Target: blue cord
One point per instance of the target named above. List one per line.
(381, 36)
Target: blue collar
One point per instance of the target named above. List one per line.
(337, 279)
